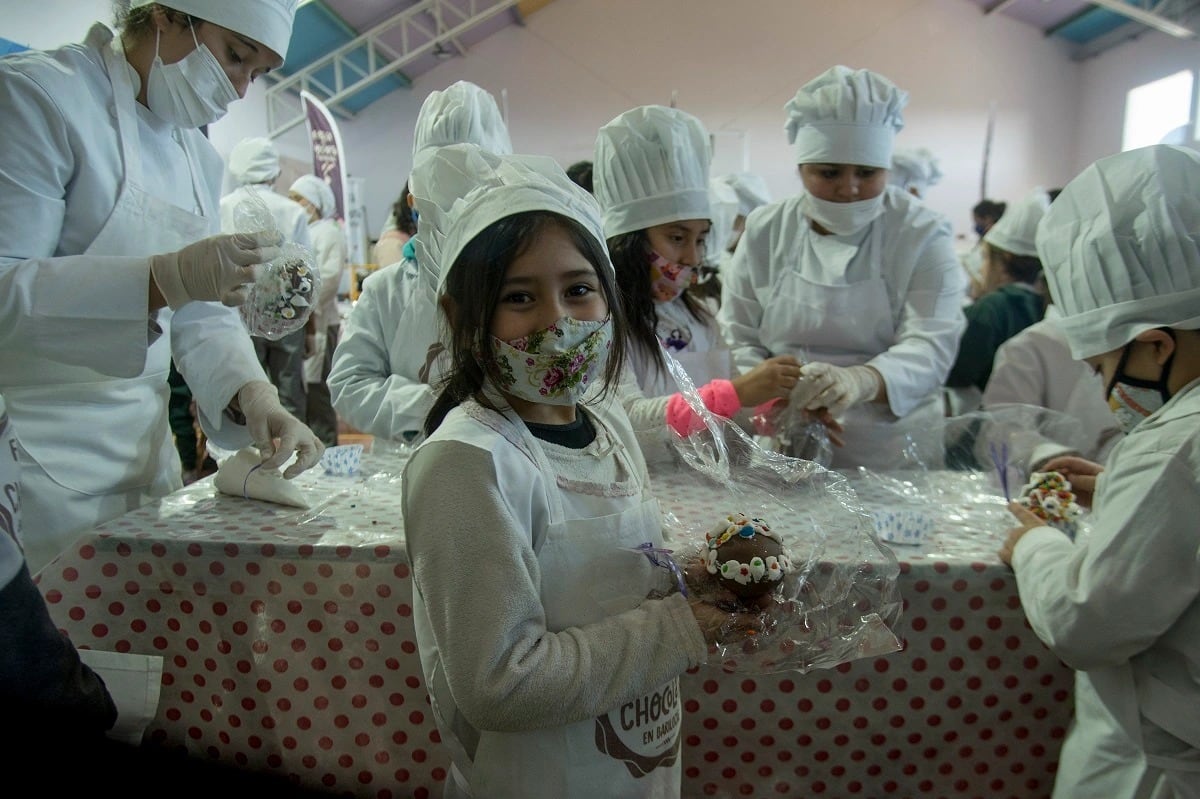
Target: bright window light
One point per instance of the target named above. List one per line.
(1159, 112)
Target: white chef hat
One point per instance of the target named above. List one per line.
(724, 205)
(1016, 231)
(915, 168)
(254, 160)
(1120, 248)
(750, 188)
(845, 116)
(463, 189)
(317, 192)
(651, 168)
(462, 113)
(266, 21)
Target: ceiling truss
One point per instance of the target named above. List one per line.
(424, 28)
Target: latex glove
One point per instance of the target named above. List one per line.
(267, 421)
(216, 268)
(836, 388)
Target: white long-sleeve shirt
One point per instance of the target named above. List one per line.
(386, 357)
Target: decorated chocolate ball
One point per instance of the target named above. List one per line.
(1049, 496)
(746, 556)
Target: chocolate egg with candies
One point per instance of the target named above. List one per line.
(746, 556)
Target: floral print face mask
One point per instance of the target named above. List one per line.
(667, 279)
(557, 365)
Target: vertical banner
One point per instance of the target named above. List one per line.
(329, 164)
(356, 225)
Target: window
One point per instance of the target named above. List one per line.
(1159, 112)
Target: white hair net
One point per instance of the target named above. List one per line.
(317, 192)
(254, 160)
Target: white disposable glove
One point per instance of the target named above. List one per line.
(835, 388)
(267, 420)
(215, 268)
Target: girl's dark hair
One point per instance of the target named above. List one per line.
(1021, 268)
(404, 218)
(474, 283)
(138, 22)
(630, 255)
(580, 174)
(989, 209)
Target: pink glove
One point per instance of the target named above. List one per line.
(836, 388)
(215, 268)
(267, 420)
(718, 396)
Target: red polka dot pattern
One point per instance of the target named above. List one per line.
(288, 648)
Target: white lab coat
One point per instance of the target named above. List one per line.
(1035, 367)
(329, 251)
(1122, 606)
(84, 370)
(389, 354)
(605, 722)
(290, 217)
(888, 296)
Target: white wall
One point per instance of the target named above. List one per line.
(1109, 77)
(42, 24)
(574, 65)
(571, 69)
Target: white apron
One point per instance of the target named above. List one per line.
(94, 446)
(697, 348)
(632, 751)
(815, 314)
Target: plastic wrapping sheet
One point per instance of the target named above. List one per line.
(984, 458)
(839, 599)
(284, 291)
(362, 509)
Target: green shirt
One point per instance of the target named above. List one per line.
(991, 320)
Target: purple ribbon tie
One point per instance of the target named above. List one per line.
(662, 558)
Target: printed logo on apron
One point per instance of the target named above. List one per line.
(645, 735)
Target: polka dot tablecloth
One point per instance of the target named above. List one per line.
(288, 648)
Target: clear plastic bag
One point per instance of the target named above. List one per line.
(794, 432)
(284, 291)
(836, 601)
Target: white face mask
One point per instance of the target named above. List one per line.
(192, 92)
(1132, 399)
(842, 219)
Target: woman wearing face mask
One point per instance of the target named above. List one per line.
(551, 673)
(651, 178)
(1121, 605)
(857, 275)
(109, 265)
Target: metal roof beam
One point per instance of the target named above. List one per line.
(998, 6)
(1148, 17)
(417, 38)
